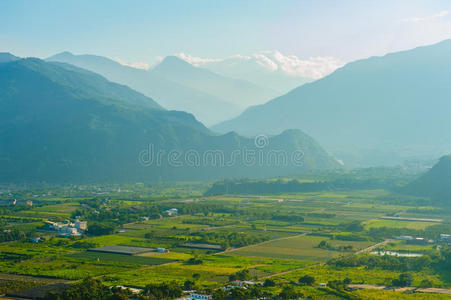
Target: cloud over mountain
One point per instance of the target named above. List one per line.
(313, 67)
(136, 65)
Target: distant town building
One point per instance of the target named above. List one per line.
(445, 237)
(196, 296)
(162, 250)
(14, 202)
(29, 203)
(418, 241)
(66, 228)
(81, 225)
(404, 238)
(241, 283)
(37, 239)
(172, 212)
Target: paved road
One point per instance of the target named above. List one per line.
(371, 248)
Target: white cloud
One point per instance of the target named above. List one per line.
(273, 61)
(439, 15)
(196, 61)
(137, 65)
(313, 67)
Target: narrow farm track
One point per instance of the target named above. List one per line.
(371, 248)
(404, 289)
(291, 271)
(320, 264)
(262, 243)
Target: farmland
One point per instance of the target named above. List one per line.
(282, 237)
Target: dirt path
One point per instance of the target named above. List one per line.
(291, 271)
(262, 243)
(371, 248)
(319, 264)
(400, 289)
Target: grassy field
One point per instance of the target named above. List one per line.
(321, 216)
(126, 259)
(299, 248)
(325, 273)
(397, 224)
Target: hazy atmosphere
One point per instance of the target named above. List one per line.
(225, 150)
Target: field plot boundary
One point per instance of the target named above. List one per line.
(125, 250)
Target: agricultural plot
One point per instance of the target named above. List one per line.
(127, 250)
(120, 258)
(378, 223)
(180, 272)
(325, 273)
(300, 248)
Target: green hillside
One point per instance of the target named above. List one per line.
(435, 183)
(370, 112)
(62, 123)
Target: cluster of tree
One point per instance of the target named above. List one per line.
(307, 280)
(340, 289)
(321, 215)
(341, 182)
(288, 292)
(90, 289)
(384, 262)
(326, 245)
(405, 279)
(194, 261)
(7, 235)
(288, 218)
(15, 257)
(230, 239)
(165, 290)
(95, 289)
(11, 286)
(240, 275)
(100, 228)
(98, 210)
(431, 232)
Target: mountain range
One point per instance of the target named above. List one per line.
(266, 69)
(380, 110)
(61, 123)
(178, 85)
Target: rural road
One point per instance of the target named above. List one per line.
(400, 289)
(318, 264)
(371, 248)
(262, 243)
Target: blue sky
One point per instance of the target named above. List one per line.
(140, 31)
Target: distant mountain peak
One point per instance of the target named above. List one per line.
(171, 62)
(7, 57)
(63, 54)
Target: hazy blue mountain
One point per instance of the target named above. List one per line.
(381, 109)
(7, 57)
(250, 69)
(241, 93)
(435, 183)
(59, 123)
(170, 94)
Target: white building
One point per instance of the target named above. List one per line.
(172, 212)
